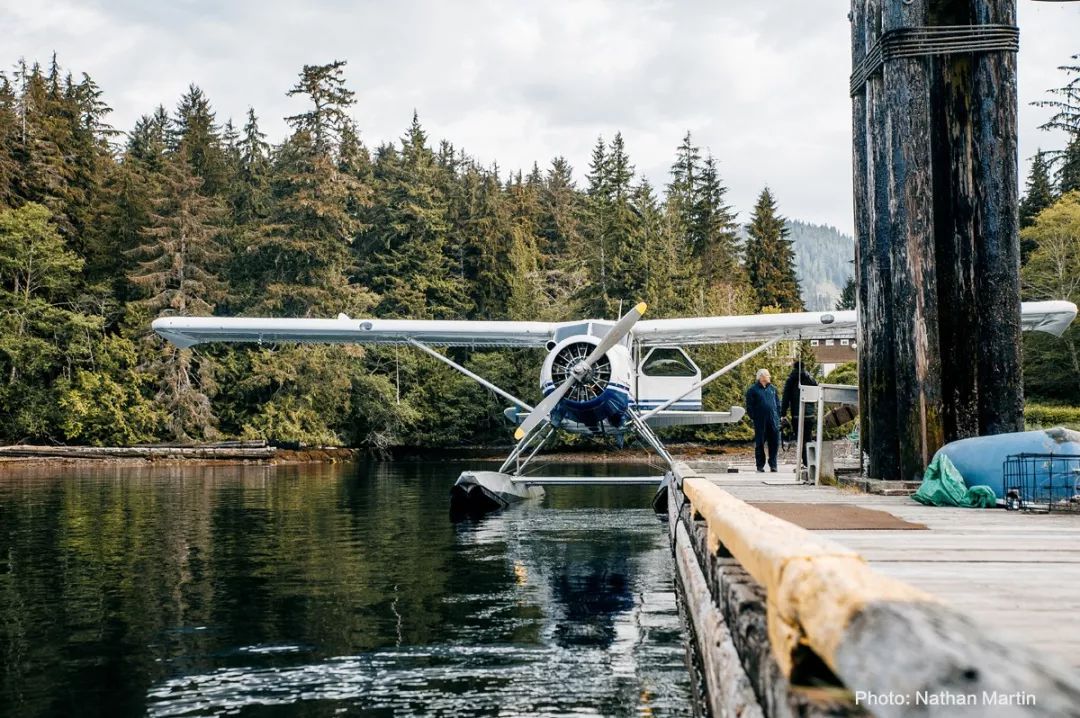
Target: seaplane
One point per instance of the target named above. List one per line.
(599, 377)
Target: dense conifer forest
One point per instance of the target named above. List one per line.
(103, 229)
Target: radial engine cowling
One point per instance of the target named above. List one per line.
(603, 396)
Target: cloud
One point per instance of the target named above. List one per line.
(763, 86)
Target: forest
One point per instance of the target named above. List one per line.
(103, 230)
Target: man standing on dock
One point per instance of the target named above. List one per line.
(763, 408)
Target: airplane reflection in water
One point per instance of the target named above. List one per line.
(581, 619)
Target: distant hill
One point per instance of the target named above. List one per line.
(823, 262)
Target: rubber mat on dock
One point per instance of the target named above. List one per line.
(835, 516)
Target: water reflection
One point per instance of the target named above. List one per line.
(325, 590)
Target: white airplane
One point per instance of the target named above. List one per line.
(599, 377)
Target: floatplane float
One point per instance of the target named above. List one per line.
(598, 378)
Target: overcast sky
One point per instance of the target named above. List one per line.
(762, 85)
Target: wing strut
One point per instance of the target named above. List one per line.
(475, 377)
(715, 375)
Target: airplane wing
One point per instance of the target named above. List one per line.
(188, 331)
(746, 328)
(1052, 317)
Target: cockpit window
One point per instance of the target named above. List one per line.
(667, 362)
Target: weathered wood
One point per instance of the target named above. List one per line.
(899, 645)
(937, 239)
(914, 276)
(135, 452)
(954, 228)
(909, 649)
(1017, 573)
(860, 169)
(996, 221)
(729, 690)
(877, 347)
(739, 604)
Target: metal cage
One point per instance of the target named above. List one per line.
(1042, 482)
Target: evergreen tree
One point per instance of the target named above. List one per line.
(324, 87)
(176, 274)
(251, 191)
(713, 233)
(522, 265)
(1069, 171)
(301, 262)
(682, 190)
(410, 261)
(1039, 195)
(1064, 101)
(770, 260)
(849, 297)
(195, 137)
(610, 229)
(1040, 191)
(9, 134)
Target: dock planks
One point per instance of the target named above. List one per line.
(1017, 574)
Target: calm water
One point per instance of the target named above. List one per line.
(329, 590)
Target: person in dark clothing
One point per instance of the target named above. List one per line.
(763, 408)
(791, 406)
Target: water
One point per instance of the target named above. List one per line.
(329, 590)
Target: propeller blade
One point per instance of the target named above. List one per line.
(614, 336)
(543, 409)
(616, 333)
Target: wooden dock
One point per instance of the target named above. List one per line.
(1015, 576)
(1016, 573)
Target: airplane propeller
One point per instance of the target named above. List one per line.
(580, 371)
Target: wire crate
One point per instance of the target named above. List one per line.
(1042, 482)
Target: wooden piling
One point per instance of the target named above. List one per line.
(877, 350)
(997, 228)
(914, 274)
(934, 133)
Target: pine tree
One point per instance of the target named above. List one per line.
(770, 259)
(194, 135)
(1040, 191)
(9, 134)
(714, 238)
(251, 190)
(1039, 195)
(1069, 172)
(324, 87)
(610, 229)
(1064, 101)
(848, 297)
(682, 190)
(301, 262)
(176, 274)
(409, 261)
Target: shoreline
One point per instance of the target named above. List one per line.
(260, 453)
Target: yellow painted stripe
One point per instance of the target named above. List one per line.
(814, 586)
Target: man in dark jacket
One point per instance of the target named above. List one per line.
(790, 405)
(763, 408)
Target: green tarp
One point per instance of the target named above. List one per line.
(944, 486)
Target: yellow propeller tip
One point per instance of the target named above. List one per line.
(519, 434)
(641, 307)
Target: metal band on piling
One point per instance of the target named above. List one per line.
(908, 42)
